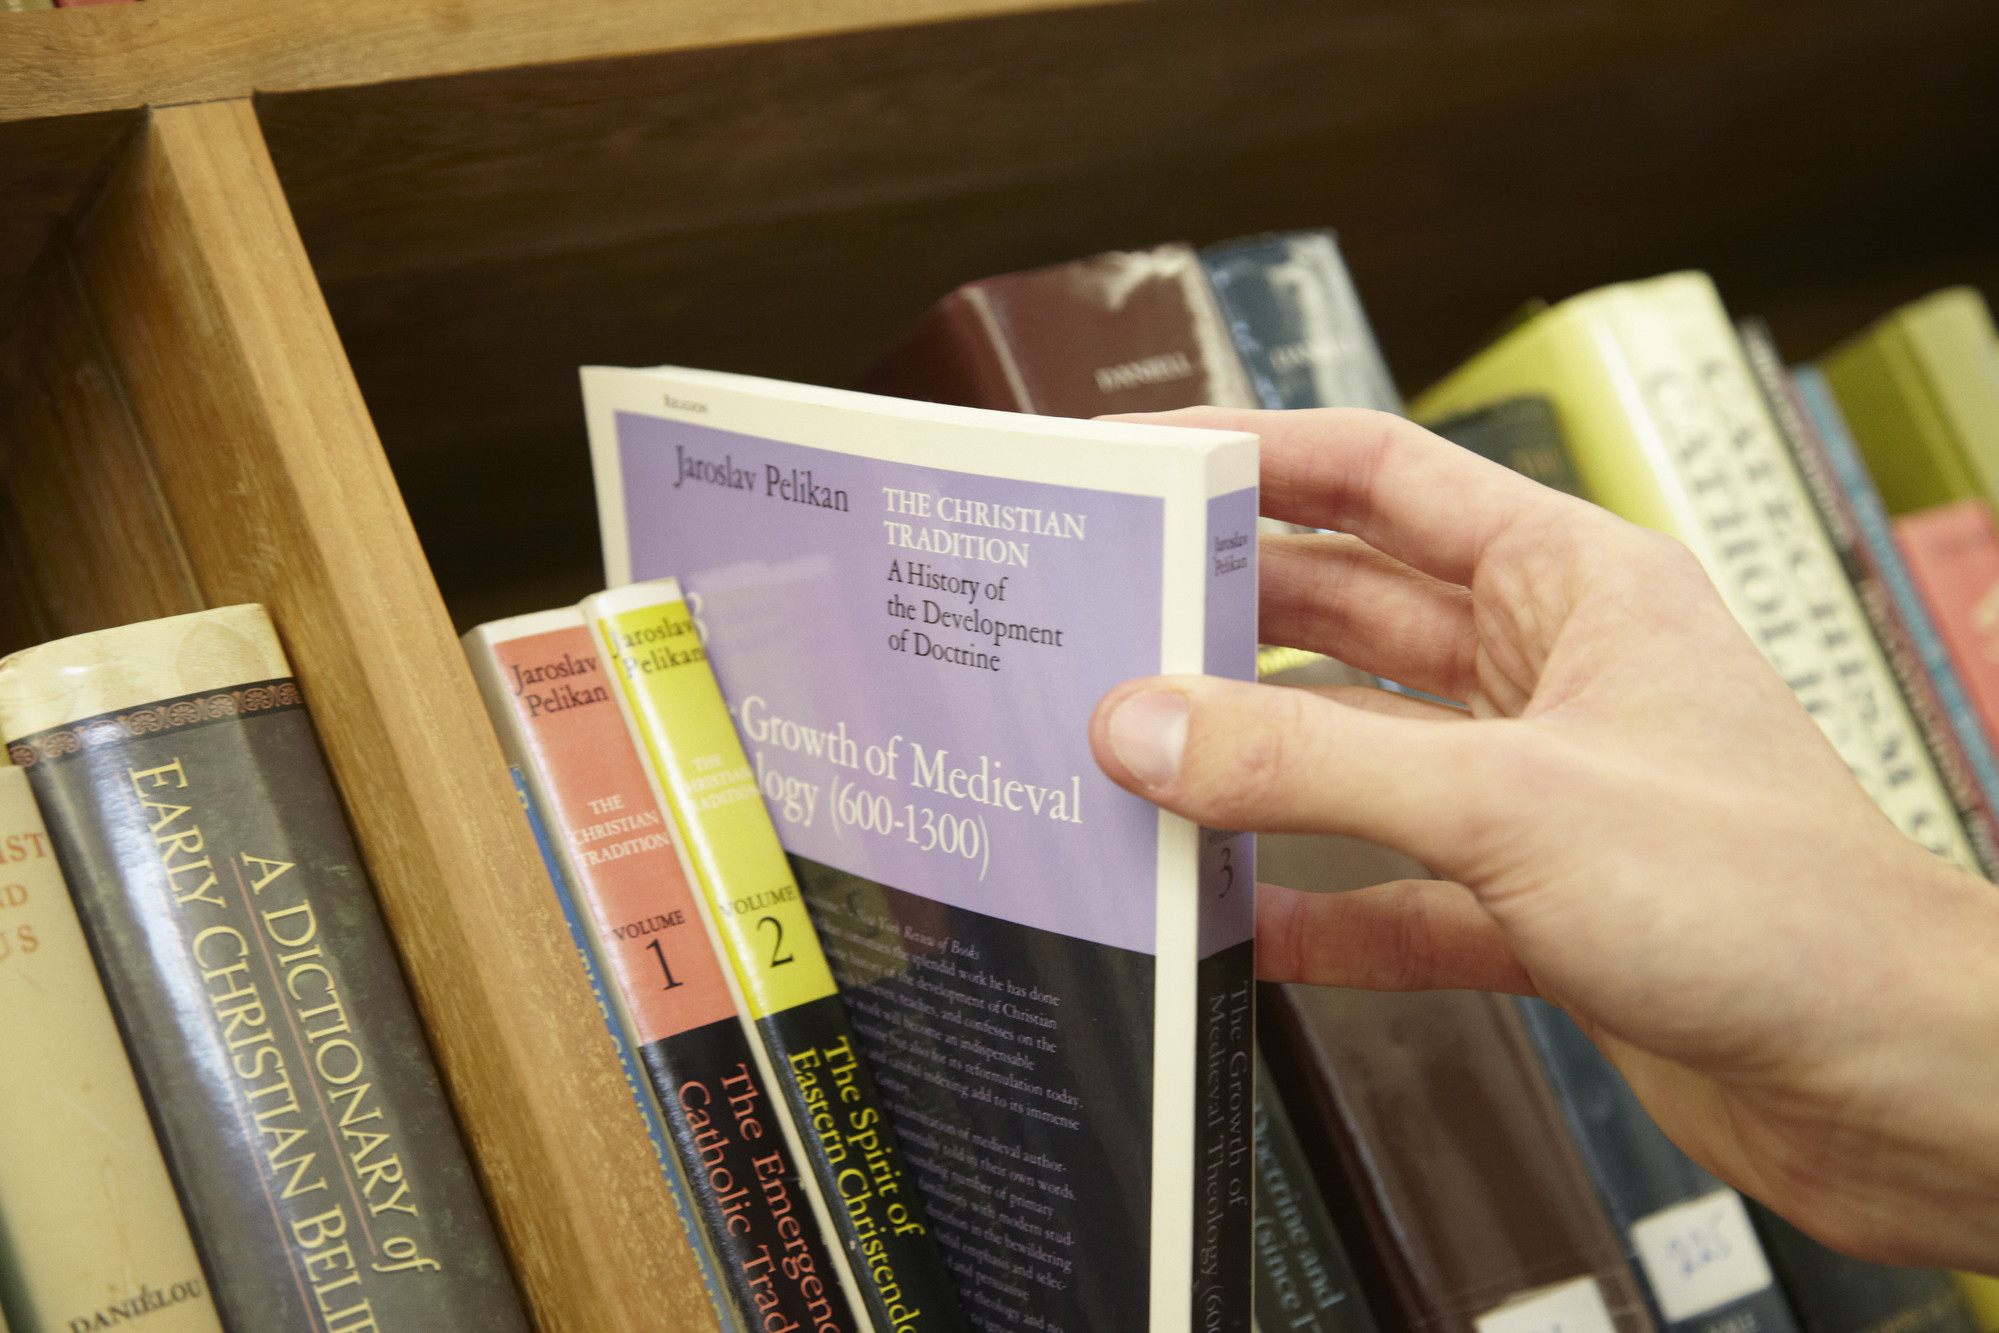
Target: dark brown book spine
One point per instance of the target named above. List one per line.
(1304, 1280)
(1128, 331)
(1427, 1110)
(256, 988)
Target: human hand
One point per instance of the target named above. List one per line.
(1635, 820)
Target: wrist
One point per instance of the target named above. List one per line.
(1891, 1150)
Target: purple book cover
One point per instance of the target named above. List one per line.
(912, 610)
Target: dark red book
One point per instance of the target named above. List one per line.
(1427, 1110)
(1127, 331)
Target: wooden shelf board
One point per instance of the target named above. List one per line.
(61, 63)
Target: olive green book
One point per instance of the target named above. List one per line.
(1920, 390)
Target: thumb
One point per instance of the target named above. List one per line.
(1229, 754)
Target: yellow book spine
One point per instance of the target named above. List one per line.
(663, 672)
(1981, 1293)
(90, 1222)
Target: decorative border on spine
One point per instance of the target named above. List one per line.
(189, 710)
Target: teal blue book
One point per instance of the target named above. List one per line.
(1690, 1237)
(1297, 322)
(1877, 529)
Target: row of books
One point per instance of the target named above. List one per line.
(933, 1026)
(994, 1118)
(1486, 1162)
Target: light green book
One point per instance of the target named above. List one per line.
(1920, 390)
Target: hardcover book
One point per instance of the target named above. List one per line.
(90, 1231)
(1478, 1211)
(1690, 1237)
(1831, 1293)
(1297, 322)
(1920, 390)
(1966, 718)
(1667, 428)
(1304, 1280)
(1520, 433)
(1128, 331)
(257, 990)
(912, 610)
(1840, 488)
(1953, 554)
(552, 706)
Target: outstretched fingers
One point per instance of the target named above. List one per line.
(1336, 595)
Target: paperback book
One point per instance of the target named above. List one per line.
(912, 610)
(620, 874)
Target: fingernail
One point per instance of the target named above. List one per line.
(1149, 735)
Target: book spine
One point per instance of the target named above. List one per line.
(669, 696)
(1743, 510)
(1689, 1236)
(1953, 556)
(1126, 331)
(1304, 1281)
(956, 354)
(1519, 433)
(1966, 722)
(632, 903)
(90, 1230)
(1896, 422)
(1225, 973)
(725, 1312)
(1864, 567)
(259, 995)
(1832, 1293)
(1297, 323)
(1424, 1111)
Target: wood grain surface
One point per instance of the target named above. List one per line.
(206, 322)
(64, 62)
(85, 521)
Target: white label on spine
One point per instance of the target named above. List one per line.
(1700, 1254)
(1568, 1307)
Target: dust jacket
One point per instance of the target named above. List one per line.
(912, 609)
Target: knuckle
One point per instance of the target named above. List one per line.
(1407, 959)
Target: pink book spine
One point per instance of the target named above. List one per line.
(1953, 554)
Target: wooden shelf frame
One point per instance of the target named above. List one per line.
(182, 431)
(276, 279)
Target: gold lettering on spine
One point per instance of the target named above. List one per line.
(224, 957)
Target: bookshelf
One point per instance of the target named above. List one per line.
(291, 299)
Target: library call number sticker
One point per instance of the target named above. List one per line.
(1568, 1307)
(1700, 1254)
